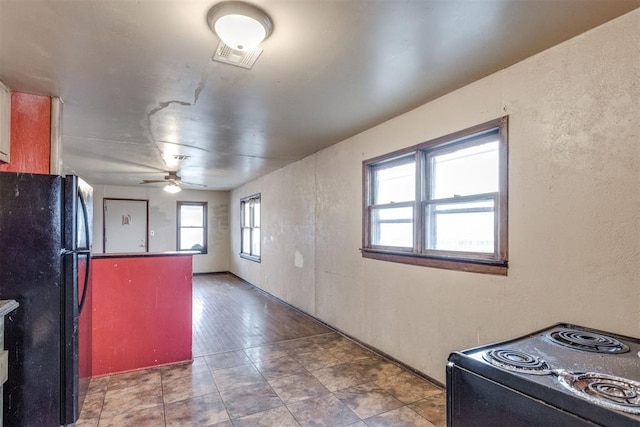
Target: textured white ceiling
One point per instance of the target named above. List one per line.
(139, 85)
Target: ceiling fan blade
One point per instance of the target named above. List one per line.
(152, 181)
(192, 184)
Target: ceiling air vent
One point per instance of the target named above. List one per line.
(239, 58)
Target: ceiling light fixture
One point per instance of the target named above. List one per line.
(172, 188)
(239, 25)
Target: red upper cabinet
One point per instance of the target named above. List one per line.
(30, 134)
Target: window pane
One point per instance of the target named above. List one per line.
(246, 240)
(191, 239)
(393, 227)
(246, 215)
(256, 213)
(464, 227)
(255, 242)
(467, 171)
(394, 184)
(191, 216)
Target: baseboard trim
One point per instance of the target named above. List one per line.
(344, 334)
(212, 272)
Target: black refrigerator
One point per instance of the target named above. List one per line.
(45, 254)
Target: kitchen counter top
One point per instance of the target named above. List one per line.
(145, 254)
(7, 306)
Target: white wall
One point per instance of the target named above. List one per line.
(162, 220)
(574, 212)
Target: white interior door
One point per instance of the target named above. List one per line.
(125, 225)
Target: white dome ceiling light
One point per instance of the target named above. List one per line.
(172, 188)
(239, 25)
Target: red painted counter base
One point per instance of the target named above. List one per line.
(141, 312)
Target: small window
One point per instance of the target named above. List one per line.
(192, 226)
(442, 203)
(250, 227)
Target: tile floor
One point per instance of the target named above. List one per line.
(321, 379)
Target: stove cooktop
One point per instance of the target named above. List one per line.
(567, 364)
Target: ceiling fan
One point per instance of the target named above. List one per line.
(173, 182)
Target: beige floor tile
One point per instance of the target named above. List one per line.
(278, 417)
(239, 376)
(407, 387)
(341, 376)
(152, 416)
(401, 417)
(356, 372)
(87, 422)
(228, 359)
(196, 367)
(146, 378)
(250, 399)
(325, 410)
(433, 408)
(207, 410)
(92, 405)
(301, 345)
(265, 352)
(280, 367)
(377, 368)
(333, 341)
(350, 351)
(98, 385)
(180, 388)
(294, 388)
(325, 340)
(131, 398)
(367, 400)
(317, 360)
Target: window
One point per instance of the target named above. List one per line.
(192, 226)
(250, 227)
(442, 203)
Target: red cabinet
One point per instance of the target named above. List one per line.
(141, 312)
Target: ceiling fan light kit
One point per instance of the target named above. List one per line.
(172, 187)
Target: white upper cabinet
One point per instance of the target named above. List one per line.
(5, 123)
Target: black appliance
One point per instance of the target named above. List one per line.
(45, 246)
(565, 375)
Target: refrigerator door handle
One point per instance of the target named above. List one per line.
(87, 251)
(85, 218)
(86, 283)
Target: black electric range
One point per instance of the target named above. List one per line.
(565, 375)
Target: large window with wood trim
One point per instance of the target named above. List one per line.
(192, 226)
(250, 227)
(442, 203)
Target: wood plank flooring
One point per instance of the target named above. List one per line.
(230, 315)
(260, 363)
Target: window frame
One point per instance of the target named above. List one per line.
(419, 254)
(244, 202)
(205, 228)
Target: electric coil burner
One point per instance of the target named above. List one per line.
(565, 375)
(517, 361)
(605, 390)
(588, 341)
